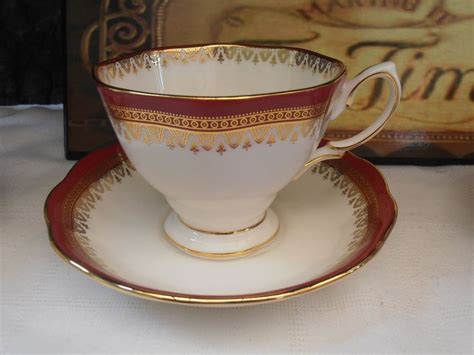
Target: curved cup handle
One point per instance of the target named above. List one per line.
(336, 149)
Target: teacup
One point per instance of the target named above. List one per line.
(220, 129)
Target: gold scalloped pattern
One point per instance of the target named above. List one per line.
(221, 53)
(356, 199)
(83, 206)
(197, 141)
(216, 133)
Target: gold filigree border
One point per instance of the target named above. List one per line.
(217, 132)
(217, 123)
(315, 64)
(220, 142)
(87, 200)
(82, 198)
(356, 198)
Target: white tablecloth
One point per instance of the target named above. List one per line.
(415, 296)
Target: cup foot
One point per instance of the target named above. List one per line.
(210, 245)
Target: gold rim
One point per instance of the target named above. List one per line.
(196, 300)
(211, 45)
(223, 233)
(222, 256)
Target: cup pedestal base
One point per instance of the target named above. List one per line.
(231, 245)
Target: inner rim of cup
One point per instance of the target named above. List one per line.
(219, 71)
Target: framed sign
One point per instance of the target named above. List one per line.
(429, 40)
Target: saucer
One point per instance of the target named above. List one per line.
(106, 221)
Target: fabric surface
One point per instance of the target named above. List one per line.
(414, 296)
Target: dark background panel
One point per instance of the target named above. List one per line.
(31, 52)
(86, 124)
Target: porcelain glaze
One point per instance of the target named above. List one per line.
(107, 222)
(221, 129)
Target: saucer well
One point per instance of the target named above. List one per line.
(106, 221)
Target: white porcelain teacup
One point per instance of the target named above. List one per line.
(219, 130)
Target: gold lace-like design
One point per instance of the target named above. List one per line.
(216, 133)
(221, 53)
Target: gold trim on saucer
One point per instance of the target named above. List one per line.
(356, 198)
(204, 300)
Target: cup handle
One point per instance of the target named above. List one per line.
(336, 149)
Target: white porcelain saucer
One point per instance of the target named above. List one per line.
(105, 220)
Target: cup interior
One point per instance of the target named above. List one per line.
(219, 70)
